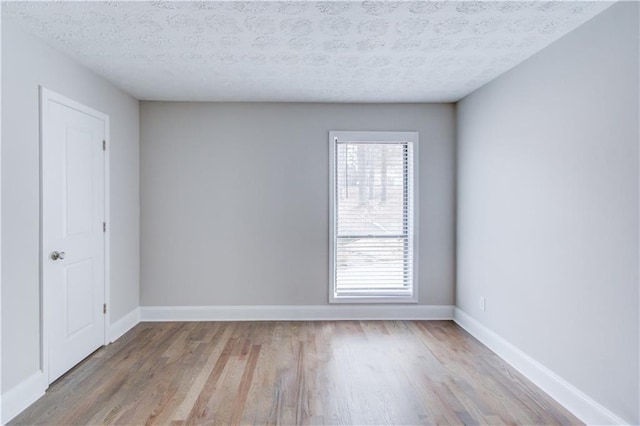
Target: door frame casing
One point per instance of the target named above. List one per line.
(47, 95)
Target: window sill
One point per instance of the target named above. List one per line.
(373, 299)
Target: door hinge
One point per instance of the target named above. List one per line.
(104, 145)
(104, 226)
(104, 308)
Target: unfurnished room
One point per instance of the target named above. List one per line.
(320, 212)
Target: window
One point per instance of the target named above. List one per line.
(373, 217)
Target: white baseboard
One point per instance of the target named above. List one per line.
(124, 324)
(18, 398)
(574, 400)
(296, 313)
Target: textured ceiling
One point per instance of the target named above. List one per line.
(347, 51)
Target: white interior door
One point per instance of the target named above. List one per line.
(73, 213)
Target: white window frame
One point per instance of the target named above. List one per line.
(373, 137)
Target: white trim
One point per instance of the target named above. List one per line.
(296, 313)
(107, 220)
(0, 221)
(363, 137)
(124, 324)
(47, 95)
(638, 94)
(21, 396)
(574, 400)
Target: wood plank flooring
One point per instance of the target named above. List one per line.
(259, 373)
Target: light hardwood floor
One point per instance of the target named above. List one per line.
(258, 373)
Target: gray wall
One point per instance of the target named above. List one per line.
(26, 63)
(235, 199)
(548, 208)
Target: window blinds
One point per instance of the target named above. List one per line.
(373, 218)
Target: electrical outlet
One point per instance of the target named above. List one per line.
(483, 303)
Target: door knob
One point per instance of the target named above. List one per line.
(57, 255)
